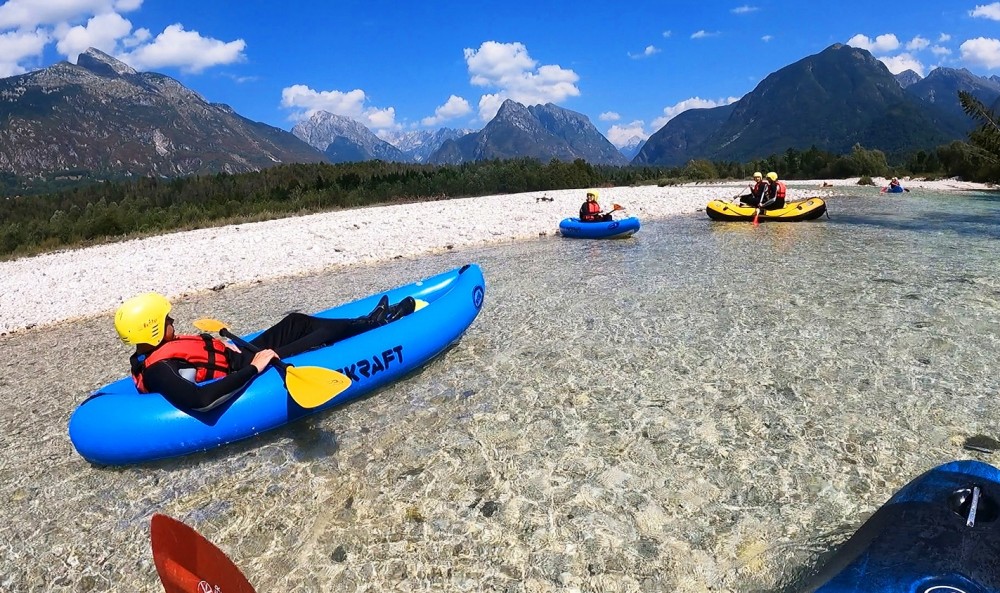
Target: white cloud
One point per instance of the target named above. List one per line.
(917, 43)
(693, 103)
(767, 38)
(508, 68)
(75, 25)
(982, 52)
(667, 34)
(102, 31)
(380, 119)
(940, 50)
(186, 50)
(881, 44)
(489, 105)
(987, 11)
(744, 9)
(306, 101)
(619, 135)
(609, 116)
(944, 37)
(649, 51)
(24, 14)
(903, 62)
(17, 46)
(454, 107)
(703, 34)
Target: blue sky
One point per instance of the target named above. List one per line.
(397, 66)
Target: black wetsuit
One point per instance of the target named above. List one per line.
(294, 334)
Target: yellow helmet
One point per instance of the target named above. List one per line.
(772, 176)
(592, 193)
(142, 319)
(757, 175)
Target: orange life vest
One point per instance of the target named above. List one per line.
(590, 210)
(203, 352)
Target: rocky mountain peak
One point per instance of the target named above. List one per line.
(907, 77)
(102, 64)
(343, 139)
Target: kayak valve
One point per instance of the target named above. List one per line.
(973, 505)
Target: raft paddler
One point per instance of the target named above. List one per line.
(591, 211)
(774, 198)
(178, 366)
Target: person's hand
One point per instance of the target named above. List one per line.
(262, 359)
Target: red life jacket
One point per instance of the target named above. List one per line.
(203, 352)
(759, 188)
(780, 194)
(590, 210)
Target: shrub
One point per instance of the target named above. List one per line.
(865, 180)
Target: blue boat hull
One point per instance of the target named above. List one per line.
(116, 425)
(921, 540)
(615, 229)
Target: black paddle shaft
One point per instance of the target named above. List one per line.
(224, 332)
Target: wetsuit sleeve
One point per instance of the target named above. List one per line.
(583, 211)
(164, 378)
(768, 195)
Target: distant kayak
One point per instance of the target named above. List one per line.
(939, 534)
(893, 189)
(574, 228)
(118, 425)
(807, 209)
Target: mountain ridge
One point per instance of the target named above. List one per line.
(840, 97)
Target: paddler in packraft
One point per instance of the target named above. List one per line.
(590, 211)
(177, 366)
(774, 198)
(757, 189)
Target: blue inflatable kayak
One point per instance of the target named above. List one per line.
(615, 229)
(939, 534)
(118, 425)
(893, 189)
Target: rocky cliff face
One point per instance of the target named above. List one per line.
(344, 140)
(102, 117)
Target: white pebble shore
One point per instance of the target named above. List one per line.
(65, 285)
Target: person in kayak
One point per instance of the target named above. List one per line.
(590, 211)
(774, 197)
(757, 189)
(177, 366)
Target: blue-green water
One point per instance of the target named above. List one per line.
(705, 405)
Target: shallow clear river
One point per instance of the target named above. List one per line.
(702, 406)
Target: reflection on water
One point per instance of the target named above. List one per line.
(973, 214)
(705, 405)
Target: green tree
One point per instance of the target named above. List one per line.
(986, 137)
(700, 169)
(868, 162)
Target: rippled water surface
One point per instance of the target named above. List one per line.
(703, 406)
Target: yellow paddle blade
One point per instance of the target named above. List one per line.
(209, 325)
(421, 303)
(312, 387)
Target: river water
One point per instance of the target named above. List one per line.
(702, 406)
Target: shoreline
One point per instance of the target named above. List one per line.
(75, 284)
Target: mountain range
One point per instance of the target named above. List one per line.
(342, 139)
(543, 132)
(833, 100)
(101, 118)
